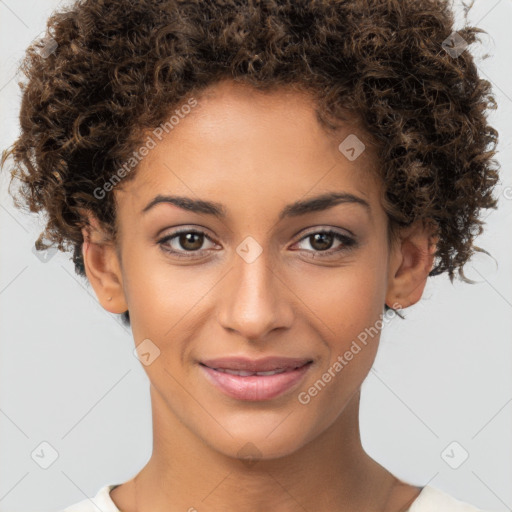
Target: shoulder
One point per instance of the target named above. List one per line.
(102, 501)
(434, 500)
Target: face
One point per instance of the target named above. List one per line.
(263, 271)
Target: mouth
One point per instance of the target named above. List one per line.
(256, 380)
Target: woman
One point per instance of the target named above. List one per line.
(251, 185)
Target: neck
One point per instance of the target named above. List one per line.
(332, 472)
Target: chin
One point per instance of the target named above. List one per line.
(251, 443)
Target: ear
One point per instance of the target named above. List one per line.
(410, 263)
(102, 266)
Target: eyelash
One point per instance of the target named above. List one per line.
(347, 243)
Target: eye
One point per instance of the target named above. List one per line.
(188, 243)
(322, 242)
(185, 241)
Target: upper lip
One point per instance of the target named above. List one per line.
(256, 365)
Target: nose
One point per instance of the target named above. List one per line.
(255, 300)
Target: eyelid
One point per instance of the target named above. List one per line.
(324, 229)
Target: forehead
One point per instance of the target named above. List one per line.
(236, 137)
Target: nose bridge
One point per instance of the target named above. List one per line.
(252, 300)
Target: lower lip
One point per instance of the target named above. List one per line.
(255, 387)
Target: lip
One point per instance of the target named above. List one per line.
(255, 387)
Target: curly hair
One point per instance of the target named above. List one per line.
(117, 69)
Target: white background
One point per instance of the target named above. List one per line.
(68, 375)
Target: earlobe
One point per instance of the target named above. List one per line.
(411, 262)
(102, 268)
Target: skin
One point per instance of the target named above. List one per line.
(256, 153)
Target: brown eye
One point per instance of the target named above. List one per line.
(322, 241)
(190, 241)
(185, 241)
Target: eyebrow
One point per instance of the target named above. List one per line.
(314, 204)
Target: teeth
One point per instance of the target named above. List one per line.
(243, 373)
(270, 372)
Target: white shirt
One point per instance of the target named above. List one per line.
(430, 499)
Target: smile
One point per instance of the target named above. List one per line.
(244, 384)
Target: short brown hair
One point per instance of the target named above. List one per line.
(120, 67)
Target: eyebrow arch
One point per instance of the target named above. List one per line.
(314, 204)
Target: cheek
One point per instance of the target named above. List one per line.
(160, 295)
(344, 299)
(346, 306)
(347, 315)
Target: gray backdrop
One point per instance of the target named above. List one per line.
(440, 389)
